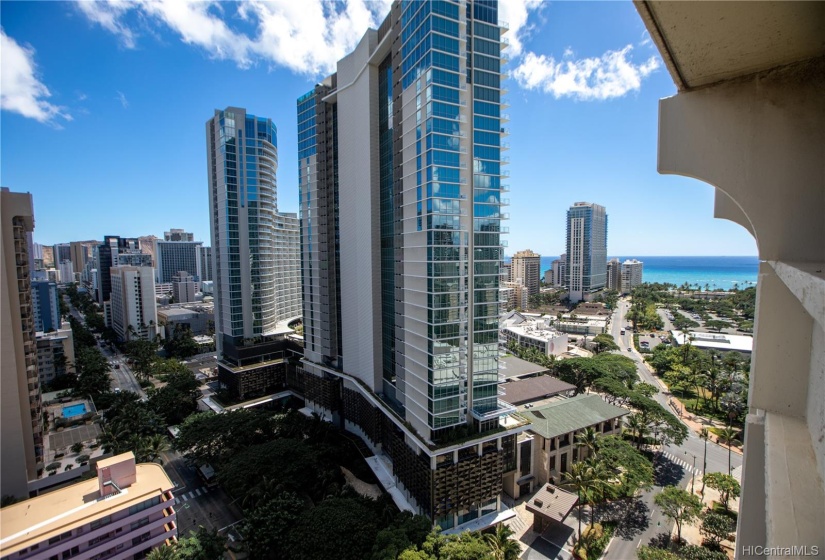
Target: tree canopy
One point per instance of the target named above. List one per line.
(679, 505)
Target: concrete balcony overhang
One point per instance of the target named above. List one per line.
(747, 120)
(703, 43)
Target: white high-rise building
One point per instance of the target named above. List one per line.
(586, 250)
(631, 275)
(132, 302)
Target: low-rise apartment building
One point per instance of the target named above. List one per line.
(123, 513)
(548, 449)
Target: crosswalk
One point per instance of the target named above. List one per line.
(688, 466)
(193, 494)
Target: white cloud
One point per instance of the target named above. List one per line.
(611, 75)
(22, 92)
(108, 14)
(515, 13)
(122, 98)
(306, 36)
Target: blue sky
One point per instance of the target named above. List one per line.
(104, 106)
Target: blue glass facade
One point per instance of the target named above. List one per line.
(244, 164)
(451, 57)
(586, 249)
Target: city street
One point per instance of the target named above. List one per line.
(197, 504)
(122, 377)
(675, 464)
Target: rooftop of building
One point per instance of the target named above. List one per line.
(537, 330)
(516, 367)
(176, 312)
(38, 519)
(552, 502)
(568, 415)
(591, 308)
(520, 391)
(718, 341)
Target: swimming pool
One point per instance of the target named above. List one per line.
(74, 410)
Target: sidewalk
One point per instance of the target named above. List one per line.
(698, 423)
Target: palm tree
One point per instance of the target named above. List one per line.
(638, 428)
(502, 546)
(588, 438)
(580, 477)
(152, 447)
(600, 481)
(163, 553)
(727, 436)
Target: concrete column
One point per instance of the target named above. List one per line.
(760, 141)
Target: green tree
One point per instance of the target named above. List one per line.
(680, 506)
(589, 439)
(727, 436)
(693, 552)
(653, 553)
(163, 553)
(214, 438)
(638, 428)
(406, 531)
(502, 545)
(715, 528)
(631, 471)
(585, 480)
(152, 447)
(465, 546)
(181, 344)
(340, 520)
(267, 527)
(727, 486)
(604, 343)
(143, 354)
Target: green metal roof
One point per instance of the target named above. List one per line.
(568, 415)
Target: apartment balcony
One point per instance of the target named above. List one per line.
(502, 409)
(503, 26)
(505, 43)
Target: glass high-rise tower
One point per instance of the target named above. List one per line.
(254, 251)
(401, 180)
(586, 271)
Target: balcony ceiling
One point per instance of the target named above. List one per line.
(704, 42)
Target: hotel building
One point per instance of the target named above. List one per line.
(132, 305)
(526, 268)
(124, 512)
(20, 407)
(255, 252)
(401, 177)
(172, 257)
(632, 270)
(586, 271)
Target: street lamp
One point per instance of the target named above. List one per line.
(693, 472)
(704, 434)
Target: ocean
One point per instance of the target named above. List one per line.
(716, 272)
